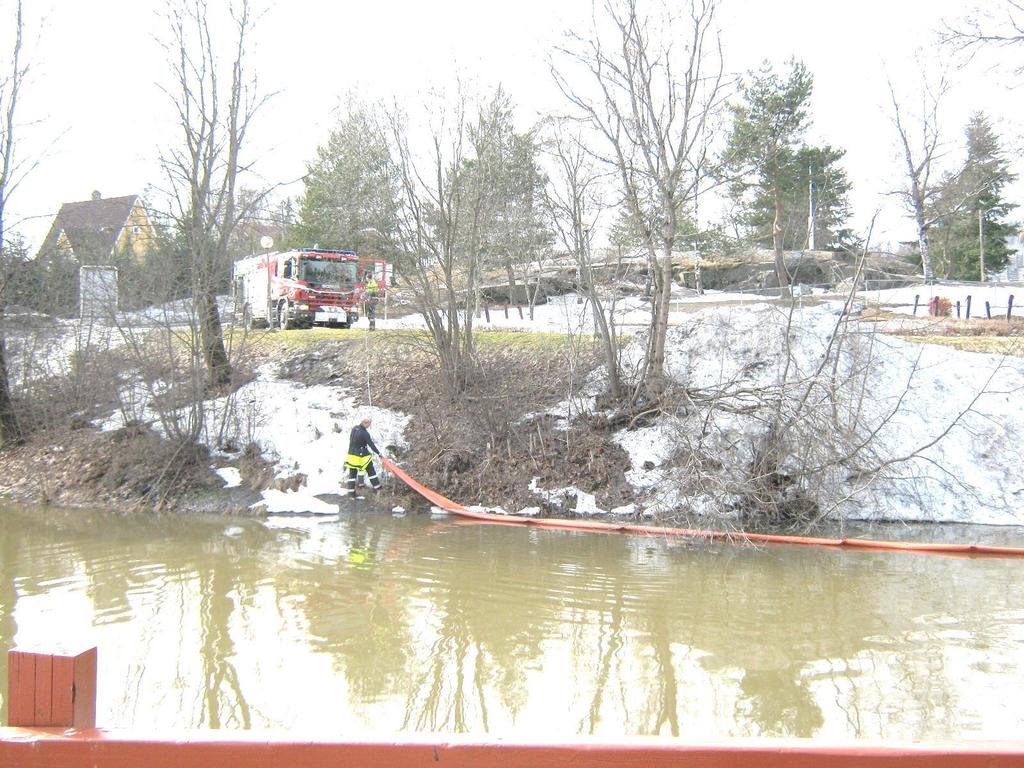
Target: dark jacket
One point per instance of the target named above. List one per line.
(360, 443)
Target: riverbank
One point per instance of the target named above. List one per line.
(859, 423)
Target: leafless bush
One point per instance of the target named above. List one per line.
(776, 440)
(794, 437)
(63, 373)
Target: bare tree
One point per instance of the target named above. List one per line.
(932, 189)
(573, 203)
(447, 192)
(1001, 26)
(922, 150)
(658, 84)
(10, 89)
(516, 231)
(214, 111)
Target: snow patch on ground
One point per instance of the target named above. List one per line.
(586, 503)
(293, 501)
(230, 475)
(301, 429)
(648, 448)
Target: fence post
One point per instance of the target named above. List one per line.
(917, 298)
(988, 311)
(1009, 308)
(487, 312)
(46, 690)
(968, 306)
(958, 309)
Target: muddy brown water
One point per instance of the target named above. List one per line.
(373, 623)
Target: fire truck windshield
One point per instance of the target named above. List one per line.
(328, 274)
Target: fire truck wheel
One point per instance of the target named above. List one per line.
(283, 321)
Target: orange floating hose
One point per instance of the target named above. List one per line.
(455, 508)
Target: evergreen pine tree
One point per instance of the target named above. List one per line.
(976, 192)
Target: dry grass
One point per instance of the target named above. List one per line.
(994, 345)
(278, 342)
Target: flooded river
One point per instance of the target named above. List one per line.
(376, 623)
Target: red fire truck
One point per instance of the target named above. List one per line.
(295, 289)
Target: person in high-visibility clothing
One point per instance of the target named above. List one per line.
(371, 302)
(360, 460)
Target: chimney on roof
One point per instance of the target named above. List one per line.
(96, 195)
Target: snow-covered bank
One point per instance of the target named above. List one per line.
(301, 430)
(934, 432)
(865, 425)
(914, 432)
(919, 432)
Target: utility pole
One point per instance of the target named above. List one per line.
(810, 210)
(697, 282)
(981, 243)
(266, 243)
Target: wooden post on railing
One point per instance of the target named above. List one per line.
(46, 690)
(1009, 308)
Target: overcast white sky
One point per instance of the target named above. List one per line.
(97, 117)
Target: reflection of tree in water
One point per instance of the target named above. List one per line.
(439, 699)
(737, 595)
(108, 557)
(458, 623)
(404, 616)
(609, 621)
(223, 701)
(457, 626)
(487, 628)
(780, 704)
(668, 698)
(8, 598)
(517, 596)
(353, 608)
(782, 618)
(720, 625)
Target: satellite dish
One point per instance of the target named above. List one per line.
(266, 242)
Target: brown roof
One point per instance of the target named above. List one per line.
(91, 226)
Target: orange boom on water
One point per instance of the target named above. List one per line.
(651, 530)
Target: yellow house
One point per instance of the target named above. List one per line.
(95, 231)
